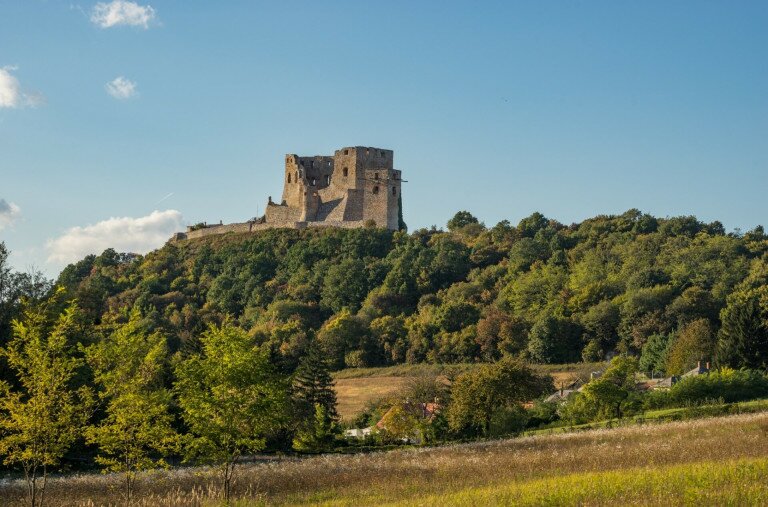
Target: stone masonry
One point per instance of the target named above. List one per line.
(354, 187)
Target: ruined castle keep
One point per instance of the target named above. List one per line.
(357, 186)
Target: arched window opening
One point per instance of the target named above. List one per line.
(289, 177)
(313, 182)
(327, 179)
(375, 176)
(375, 190)
(394, 190)
(345, 172)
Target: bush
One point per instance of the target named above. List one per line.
(726, 383)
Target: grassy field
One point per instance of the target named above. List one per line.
(722, 460)
(352, 394)
(663, 415)
(356, 387)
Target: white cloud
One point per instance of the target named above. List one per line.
(9, 212)
(124, 234)
(120, 12)
(11, 93)
(121, 88)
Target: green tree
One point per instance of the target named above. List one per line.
(345, 285)
(607, 395)
(42, 416)
(342, 333)
(554, 339)
(743, 337)
(490, 390)
(128, 366)
(654, 355)
(231, 399)
(320, 432)
(695, 342)
(460, 220)
(313, 384)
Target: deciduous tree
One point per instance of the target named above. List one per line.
(128, 367)
(231, 399)
(42, 416)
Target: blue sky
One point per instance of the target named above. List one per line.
(501, 108)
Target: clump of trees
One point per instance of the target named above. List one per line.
(669, 290)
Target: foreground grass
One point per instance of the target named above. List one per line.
(661, 415)
(739, 482)
(444, 474)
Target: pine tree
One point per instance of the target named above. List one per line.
(313, 384)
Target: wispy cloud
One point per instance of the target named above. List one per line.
(124, 234)
(9, 212)
(12, 95)
(121, 88)
(121, 12)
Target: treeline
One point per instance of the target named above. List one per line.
(669, 290)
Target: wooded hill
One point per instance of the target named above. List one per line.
(672, 290)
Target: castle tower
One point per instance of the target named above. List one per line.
(357, 184)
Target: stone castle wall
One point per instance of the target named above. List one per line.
(354, 187)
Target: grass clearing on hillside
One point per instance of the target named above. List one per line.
(450, 370)
(356, 387)
(352, 395)
(462, 474)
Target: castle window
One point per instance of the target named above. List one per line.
(301, 173)
(346, 152)
(289, 177)
(345, 172)
(297, 176)
(327, 179)
(375, 190)
(394, 190)
(313, 182)
(376, 176)
(382, 153)
(312, 164)
(329, 163)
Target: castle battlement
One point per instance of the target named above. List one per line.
(354, 187)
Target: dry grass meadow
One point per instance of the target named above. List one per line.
(353, 394)
(357, 387)
(720, 460)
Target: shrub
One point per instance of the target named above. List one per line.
(726, 383)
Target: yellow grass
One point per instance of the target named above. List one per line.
(356, 387)
(353, 394)
(661, 464)
(739, 482)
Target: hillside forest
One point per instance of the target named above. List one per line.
(671, 291)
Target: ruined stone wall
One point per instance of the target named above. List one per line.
(279, 215)
(223, 229)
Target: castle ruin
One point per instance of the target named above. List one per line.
(357, 186)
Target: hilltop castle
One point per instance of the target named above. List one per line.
(356, 186)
